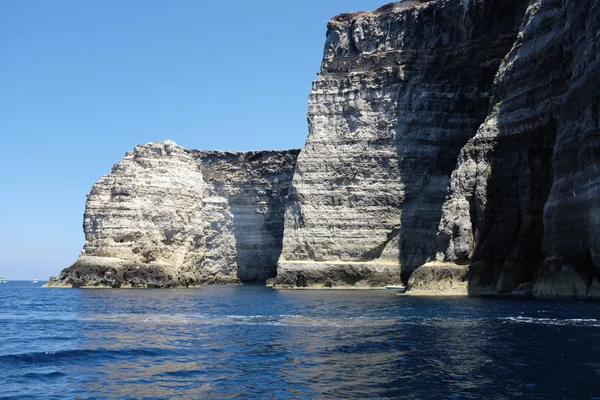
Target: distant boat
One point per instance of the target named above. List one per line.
(2, 280)
(35, 281)
(398, 288)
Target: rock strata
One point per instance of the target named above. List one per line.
(443, 279)
(256, 185)
(453, 144)
(400, 91)
(524, 201)
(170, 217)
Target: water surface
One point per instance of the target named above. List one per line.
(254, 342)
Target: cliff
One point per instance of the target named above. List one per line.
(452, 144)
(523, 207)
(256, 186)
(400, 92)
(461, 138)
(170, 217)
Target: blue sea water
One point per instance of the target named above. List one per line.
(254, 342)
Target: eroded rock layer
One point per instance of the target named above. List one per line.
(524, 202)
(400, 91)
(256, 185)
(170, 217)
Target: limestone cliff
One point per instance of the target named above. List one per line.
(256, 186)
(400, 91)
(523, 205)
(453, 141)
(170, 217)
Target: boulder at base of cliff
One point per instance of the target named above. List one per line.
(439, 279)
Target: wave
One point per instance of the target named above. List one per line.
(31, 316)
(83, 354)
(273, 320)
(41, 375)
(304, 320)
(583, 322)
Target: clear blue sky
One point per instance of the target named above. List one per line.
(82, 82)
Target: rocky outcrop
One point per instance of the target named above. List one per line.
(439, 279)
(148, 215)
(524, 200)
(400, 91)
(170, 217)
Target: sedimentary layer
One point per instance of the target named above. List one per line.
(453, 142)
(170, 217)
(256, 185)
(400, 91)
(523, 204)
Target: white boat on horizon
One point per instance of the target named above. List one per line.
(2, 280)
(35, 281)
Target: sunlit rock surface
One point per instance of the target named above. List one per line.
(400, 91)
(170, 217)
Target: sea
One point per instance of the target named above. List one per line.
(253, 342)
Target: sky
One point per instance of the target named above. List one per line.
(83, 82)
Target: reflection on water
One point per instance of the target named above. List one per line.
(252, 342)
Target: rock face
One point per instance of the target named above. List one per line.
(524, 200)
(400, 91)
(170, 217)
(444, 279)
(256, 186)
(455, 142)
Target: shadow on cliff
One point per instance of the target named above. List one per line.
(433, 128)
(511, 228)
(257, 261)
(510, 243)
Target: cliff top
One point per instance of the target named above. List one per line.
(224, 153)
(215, 152)
(390, 7)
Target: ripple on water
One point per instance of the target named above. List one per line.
(252, 342)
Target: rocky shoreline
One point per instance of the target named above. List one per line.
(454, 146)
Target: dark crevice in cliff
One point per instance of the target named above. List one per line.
(255, 185)
(467, 71)
(587, 264)
(530, 161)
(511, 241)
